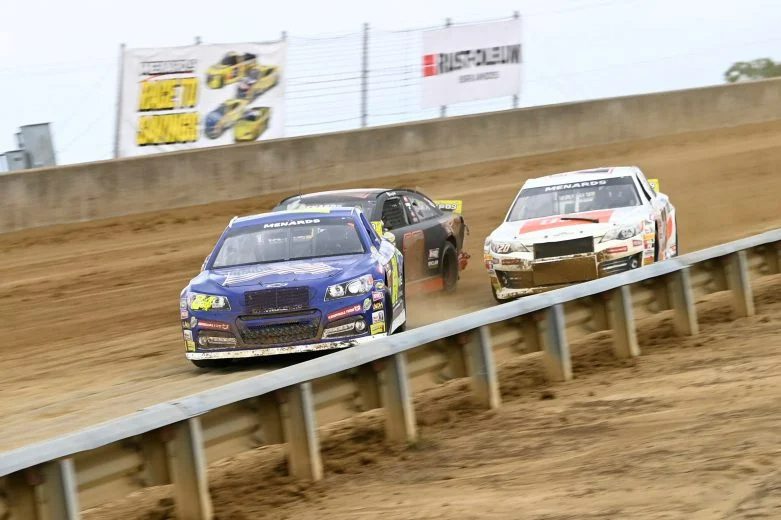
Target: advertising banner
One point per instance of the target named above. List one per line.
(471, 62)
(180, 98)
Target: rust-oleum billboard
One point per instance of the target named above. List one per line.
(180, 98)
(471, 62)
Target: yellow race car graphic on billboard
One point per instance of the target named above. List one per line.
(223, 117)
(252, 124)
(257, 80)
(230, 69)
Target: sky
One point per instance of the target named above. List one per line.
(59, 60)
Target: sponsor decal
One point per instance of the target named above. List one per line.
(257, 272)
(202, 302)
(378, 317)
(276, 285)
(214, 325)
(447, 62)
(377, 328)
(188, 335)
(377, 306)
(378, 296)
(184, 314)
(182, 303)
(618, 249)
(367, 304)
(347, 311)
(288, 223)
(575, 185)
(379, 285)
(190, 346)
(511, 261)
(185, 324)
(637, 243)
(433, 253)
(433, 263)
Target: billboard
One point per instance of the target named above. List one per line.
(471, 62)
(180, 98)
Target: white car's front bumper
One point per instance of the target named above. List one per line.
(518, 274)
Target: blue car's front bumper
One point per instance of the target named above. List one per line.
(335, 325)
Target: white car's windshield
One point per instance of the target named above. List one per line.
(575, 197)
(296, 239)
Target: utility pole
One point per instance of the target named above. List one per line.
(365, 77)
(443, 108)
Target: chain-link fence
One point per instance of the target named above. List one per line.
(366, 78)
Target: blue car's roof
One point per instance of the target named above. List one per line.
(279, 216)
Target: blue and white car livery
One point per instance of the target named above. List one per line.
(293, 281)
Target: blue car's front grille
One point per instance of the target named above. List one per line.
(279, 299)
(279, 331)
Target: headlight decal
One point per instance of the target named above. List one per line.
(208, 302)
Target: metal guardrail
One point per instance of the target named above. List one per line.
(172, 442)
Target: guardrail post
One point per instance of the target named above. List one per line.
(622, 321)
(45, 492)
(303, 444)
(773, 257)
(270, 413)
(456, 357)
(368, 383)
(187, 467)
(480, 361)
(679, 288)
(155, 456)
(397, 399)
(739, 284)
(20, 494)
(530, 328)
(57, 495)
(556, 356)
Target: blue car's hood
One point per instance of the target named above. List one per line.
(283, 272)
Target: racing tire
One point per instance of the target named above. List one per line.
(211, 363)
(449, 269)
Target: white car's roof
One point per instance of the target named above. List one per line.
(581, 176)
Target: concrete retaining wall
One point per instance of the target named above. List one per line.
(112, 188)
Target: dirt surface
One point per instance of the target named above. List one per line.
(89, 310)
(688, 430)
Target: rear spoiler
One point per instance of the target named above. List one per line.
(654, 184)
(454, 206)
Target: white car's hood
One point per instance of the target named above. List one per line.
(562, 227)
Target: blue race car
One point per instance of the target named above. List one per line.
(293, 281)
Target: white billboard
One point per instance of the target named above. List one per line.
(179, 98)
(471, 62)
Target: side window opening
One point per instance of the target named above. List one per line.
(375, 238)
(393, 216)
(420, 209)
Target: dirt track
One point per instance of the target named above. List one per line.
(91, 329)
(688, 430)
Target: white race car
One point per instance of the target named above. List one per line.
(578, 226)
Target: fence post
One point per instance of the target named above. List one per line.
(480, 360)
(303, 445)
(679, 289)
(739, 284)
(187, 467)
(443, 108)
(556, 356)
(365, 77)
(516, 16)
(622, 321)
(397, 399)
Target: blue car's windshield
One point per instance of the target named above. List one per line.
(294, 239)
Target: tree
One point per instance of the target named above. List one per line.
(761, 68)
